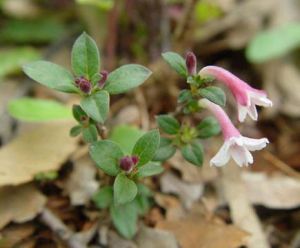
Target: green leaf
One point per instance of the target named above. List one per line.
(125, 219)
(90, 133)
(176, 62)
(126, 136)
(125, 189)
(104, 197)
(78, 113)
(144, 190)
(142, 204)
(214, 94)
(85, 57)
(184, 96)
(51, 75)
(205, 11)
(31, 109)
(168, 124)
(150, 169)
(145, 148)
(107, 154)
(193, 153)
(165, 151)
(31, 31)
(104, 5)
(96, 105)
(126, 78)
(15, 58)
(274, 43)
(75, 131)
(208, 128)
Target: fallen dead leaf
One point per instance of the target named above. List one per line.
(188, 192)
(20, 203)
(155, 238)
(82, 184)
(41, 150)
(12, 236)
(196, 231)
(115, 241)
(171, 204)
(274, 191)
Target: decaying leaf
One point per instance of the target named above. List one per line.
(171, 204)
(196, 231)
(41, 150)
(277, 191)
(115, 241)
(187, 192)
(20, 203)
(82, 184)
(155, 238)
(13, 236)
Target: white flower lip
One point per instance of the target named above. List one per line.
(254, 99)
(239, 149)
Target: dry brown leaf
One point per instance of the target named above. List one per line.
(115, 241)
(276, 191)
(171, 204)
(196, 231)
(14, 235)
(81, 184)
(41, 150)
(188, 192)
(20, 203)
(155, 238)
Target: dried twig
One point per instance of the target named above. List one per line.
(74, 240)
(285, 168)
(242, 213)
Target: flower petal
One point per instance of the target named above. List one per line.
(255, 144)
(253, 112)
(242, 112)
(241, 155)
(222, 157)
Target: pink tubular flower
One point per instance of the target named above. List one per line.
(246, 97)
(235, 145)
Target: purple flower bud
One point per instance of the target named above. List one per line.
(191, 63)
(127, 163)
(135, 159)
(102, 81)
(78, 80)
(85, 86)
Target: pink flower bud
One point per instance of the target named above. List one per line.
(191, 63)
(103, 79)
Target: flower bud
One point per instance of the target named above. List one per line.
(191, 63)
(102, 81)
(127, 163)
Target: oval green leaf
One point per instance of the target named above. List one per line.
(35, 110)
(85, 57)
(96, 106)
(145, 148)
(193, 153)
(125, 190)
(51, 75)
(214, 94)
(176, 62)
(126, 78)
(107, 154)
